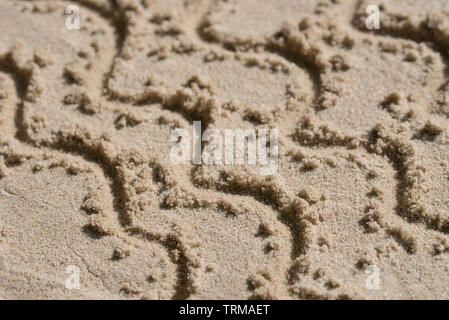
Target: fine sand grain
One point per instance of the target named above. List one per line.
(358, 209)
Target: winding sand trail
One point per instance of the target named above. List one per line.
(362, 130)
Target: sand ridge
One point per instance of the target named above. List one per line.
(363, 175)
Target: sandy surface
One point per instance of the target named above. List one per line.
(358, 209)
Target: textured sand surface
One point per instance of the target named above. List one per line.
(86, 178)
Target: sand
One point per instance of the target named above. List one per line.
(358, 208)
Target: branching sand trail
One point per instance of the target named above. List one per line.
(85, 171)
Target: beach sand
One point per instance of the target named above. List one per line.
(358, 207)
